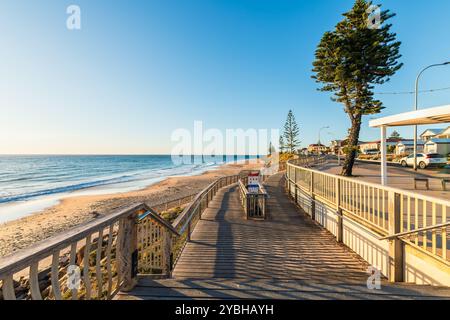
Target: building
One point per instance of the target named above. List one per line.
(436, 115)
(406, 147)
(441, 146)
(335, 146)
(317, 148)
(431, 134)
(436, 141)
(366, 147)
(445, 134)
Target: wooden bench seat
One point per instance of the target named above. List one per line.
(424, 180)
(444, 182)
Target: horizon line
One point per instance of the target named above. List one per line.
(124, 154)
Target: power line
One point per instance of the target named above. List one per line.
(412, 92)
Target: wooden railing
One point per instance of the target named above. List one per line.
(154, 242)
(187, 220)
(386, 211)
(96, 255)
(100, 258)
(254, 204)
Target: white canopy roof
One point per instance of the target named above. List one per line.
(421, 117)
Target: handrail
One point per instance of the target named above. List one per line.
(407, 233)
(387, 212)
(187, 220)
(242, 187)
(110, 243)
(15, 262)
(370, 184)
(155, 216)
(187, 213)
(12, 263)
(193, 203)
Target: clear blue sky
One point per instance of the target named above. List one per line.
(140, 69)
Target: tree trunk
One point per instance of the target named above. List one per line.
(353, 139)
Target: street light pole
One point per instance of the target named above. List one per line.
(416, 106)
(323, 128)
(339, 148)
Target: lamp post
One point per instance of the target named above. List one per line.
(320, 143)
(416, 105)
(339, 148)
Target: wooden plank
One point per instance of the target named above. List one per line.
(245, 246)
(73, 256)
(18, 261)
(8, 288)
(55, 276)
(86, 267)
(108, 262)
(98, 266)
(34, 283)
(126, 247)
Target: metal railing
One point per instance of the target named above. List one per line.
(391, 213)
(415, 232)
(105, 256)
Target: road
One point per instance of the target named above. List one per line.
(398, 177)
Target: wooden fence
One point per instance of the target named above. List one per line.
(98, 259)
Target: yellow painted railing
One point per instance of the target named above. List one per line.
(416, 220)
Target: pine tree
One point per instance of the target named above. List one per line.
(291, 133)
(353, 58)
(395, 135)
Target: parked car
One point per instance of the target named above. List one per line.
(372, 152)
(424, 160)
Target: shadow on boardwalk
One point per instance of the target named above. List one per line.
(286, 257)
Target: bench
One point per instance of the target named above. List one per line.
(444, 183)
(425, 180)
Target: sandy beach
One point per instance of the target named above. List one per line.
(73, 211)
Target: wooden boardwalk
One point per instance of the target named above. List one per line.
(286, 257)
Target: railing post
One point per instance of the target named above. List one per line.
(127, 253)
(340, 218)
(295, 186)
(313, 198)
(288, 181)
(396, 246)
(264, 206)
(247, 204)
(188, 234)
(166, 253)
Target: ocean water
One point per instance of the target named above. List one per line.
(30, 183)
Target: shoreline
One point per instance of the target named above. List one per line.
(75, 210)
(11, 211)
